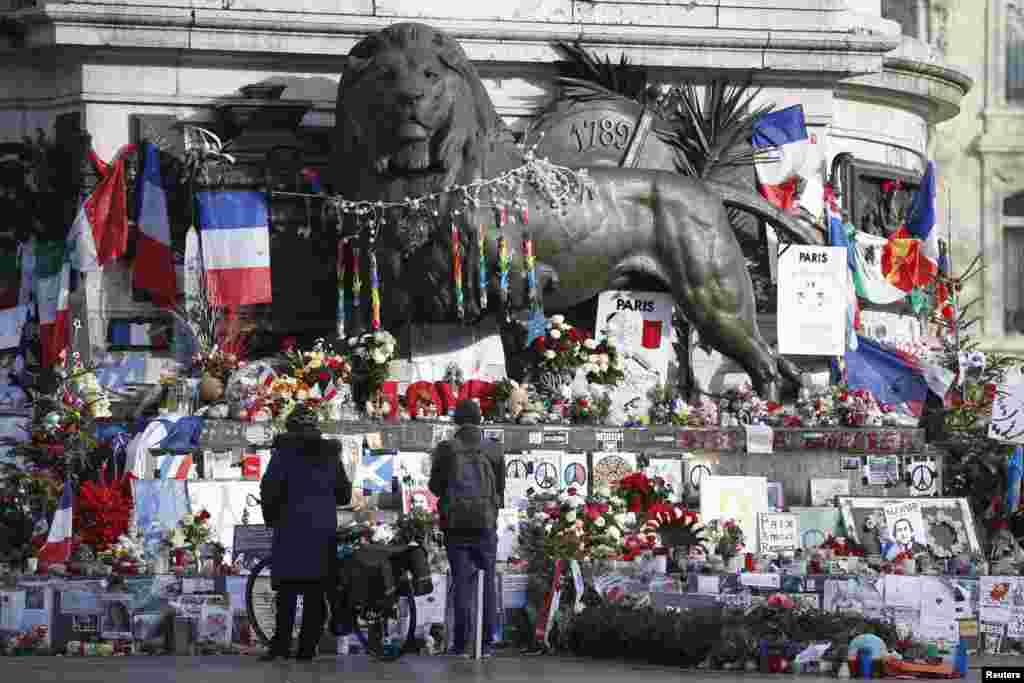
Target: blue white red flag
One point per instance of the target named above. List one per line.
(57, 549)
(235, 236)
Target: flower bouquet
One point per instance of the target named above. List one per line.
(216, 363)
(370, 356)
(726, 537)
(675, 525)
(640, 492)
(321, 369)
(602, 362)
(192, 532)
(561, 349)
(104, 512)
(578, 528)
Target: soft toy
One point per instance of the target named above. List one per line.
(518, 400)
(423, 400)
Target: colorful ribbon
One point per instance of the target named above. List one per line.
(504, 262)
(457, 272)
(374, 291)
(357, 280)
(531, 275)
(483, 267)
(342, 273)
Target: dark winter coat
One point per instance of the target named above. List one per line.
(467, 438)
(300, 491)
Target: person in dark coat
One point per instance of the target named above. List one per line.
(469, 550)
(300, 491)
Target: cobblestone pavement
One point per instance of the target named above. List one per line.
(352, 669)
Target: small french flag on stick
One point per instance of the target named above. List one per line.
(236, 247)
(57, 549)
(783, 135)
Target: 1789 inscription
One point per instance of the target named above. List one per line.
(601, 132)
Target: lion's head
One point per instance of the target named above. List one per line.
(412, 116)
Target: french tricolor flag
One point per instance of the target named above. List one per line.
(236, 247)
(783, 135)
(57, 549)
(153, 270)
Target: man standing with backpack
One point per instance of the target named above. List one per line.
(468, 476)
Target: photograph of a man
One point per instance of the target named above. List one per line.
(903, 535)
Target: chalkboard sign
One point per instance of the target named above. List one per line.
(252, 543)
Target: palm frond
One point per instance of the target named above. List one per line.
(713, 132)
(584, 74)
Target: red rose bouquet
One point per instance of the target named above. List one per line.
(640, 492)
(103, 513)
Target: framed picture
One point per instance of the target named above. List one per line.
(944, 526)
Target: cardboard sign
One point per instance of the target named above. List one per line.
(778, 532)
(813, 284)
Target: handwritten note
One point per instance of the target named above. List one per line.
(778, 532)
(1007, 423)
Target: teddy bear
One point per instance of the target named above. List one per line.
(518, 400)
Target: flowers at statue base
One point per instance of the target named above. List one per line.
(217, 362)
(840, 546)
(602, 362)
(371, 355)
(726, 537)
(640, 492)
(574, 527)
(321, 367)
(191, 533)
(668, 407)
(743, 403)
(561, 349)
(27, 642)
(127, 555)
(638, 544)
(103, 513)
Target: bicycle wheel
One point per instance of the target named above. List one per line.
(387, 633)
(261, 604)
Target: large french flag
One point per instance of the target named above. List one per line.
(99, 234)
(236, 247)
(783, 134)
(153, 270)
(57, 549)
(53, 283)
(893, 377)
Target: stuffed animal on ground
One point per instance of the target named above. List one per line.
(518, 401)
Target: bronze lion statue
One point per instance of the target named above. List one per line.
(413, 118)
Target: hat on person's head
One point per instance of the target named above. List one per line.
(467, 413)
(302, 419)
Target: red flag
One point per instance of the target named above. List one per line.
(652, 334)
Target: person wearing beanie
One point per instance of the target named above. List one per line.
(468, 476)
(299, 493)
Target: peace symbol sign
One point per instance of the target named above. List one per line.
(922, 477)
(813, 538)
(546, 475)
(575, 474)
(697, 474)
(516, 469)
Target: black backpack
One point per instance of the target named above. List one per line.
(471, 502)
(367, 577)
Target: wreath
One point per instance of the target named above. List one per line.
(941, 518)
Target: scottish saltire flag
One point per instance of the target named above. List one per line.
(99, 235)
(153, 270)
(57, 549)
(52, 287)
(236, 247)
(838, 238)
(783, 133)
(868, 278)
(911, 258)
(377, 470)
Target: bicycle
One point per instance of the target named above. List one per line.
(386, 627)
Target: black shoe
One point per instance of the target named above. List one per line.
(272, 655)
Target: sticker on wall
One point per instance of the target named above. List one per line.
(575, 471)
(518, 479)
(922, 472)
(609, 468)
(546, 467)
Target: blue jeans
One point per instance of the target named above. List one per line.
(466, 560)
